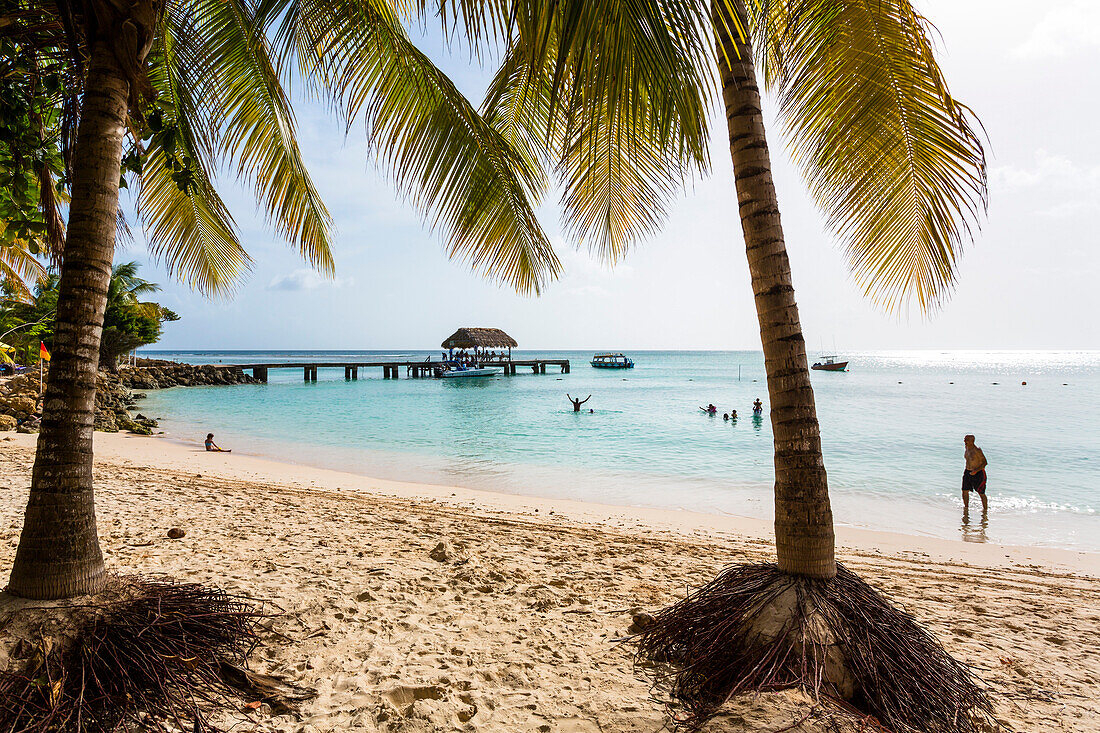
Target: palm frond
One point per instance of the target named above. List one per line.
(615, 94)
(20, 270)
(452, 165)
(125, 281)
(891, 157)
(518, 106)
(49, 202)
(190, 230)
(245, 116)
(618, 184)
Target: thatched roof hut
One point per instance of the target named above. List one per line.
(479, 338)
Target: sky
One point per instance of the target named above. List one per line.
(1029, 280)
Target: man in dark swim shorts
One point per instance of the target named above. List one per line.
(974, 474)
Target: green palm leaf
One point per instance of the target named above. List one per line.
(190, 230)
(890, 156)
(518, 105)
(615, 94)
(20, 270)
(241, 112)
(440, 152)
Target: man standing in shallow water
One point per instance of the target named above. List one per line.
(974, 474)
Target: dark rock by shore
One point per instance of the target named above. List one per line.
(21, 407)
(160, 374)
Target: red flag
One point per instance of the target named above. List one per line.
(42, 351)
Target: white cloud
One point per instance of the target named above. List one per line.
(585, 274)
(580, 265)
(305, 279)
(1054, 186)
(1049, 171)
(1066, 209)
(1071, 27)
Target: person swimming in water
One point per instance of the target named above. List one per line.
(726, 416)
(733, 415)
(578, 402)
(710, 409)
(757, 406)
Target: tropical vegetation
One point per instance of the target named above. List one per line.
(26, 323)
(31, 192)
(128, 321)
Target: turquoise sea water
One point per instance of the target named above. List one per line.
(892, 429)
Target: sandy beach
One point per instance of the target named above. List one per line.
(512, 624)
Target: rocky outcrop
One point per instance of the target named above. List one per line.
(160, 374)
(112, 404)
(19, 400)
(20, 407)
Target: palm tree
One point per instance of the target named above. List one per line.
(201, 81)
(126, 286)
(893, 161)
(129, 322)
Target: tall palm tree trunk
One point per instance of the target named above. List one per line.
(803, 518)
(58, 554)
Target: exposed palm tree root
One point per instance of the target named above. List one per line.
(150, 655)
(755, 628)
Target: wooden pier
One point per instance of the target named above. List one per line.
(392, 369)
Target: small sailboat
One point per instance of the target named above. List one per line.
(611, 361)
(830, 364)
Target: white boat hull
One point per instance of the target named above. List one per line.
(459, 373)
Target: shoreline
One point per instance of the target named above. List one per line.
(174, 453)
(891, 450)
(413, 608)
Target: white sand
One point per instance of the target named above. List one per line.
(519, 636)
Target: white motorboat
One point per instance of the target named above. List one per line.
(830, 364)
(457, 372)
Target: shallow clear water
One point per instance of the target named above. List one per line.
(892, 429)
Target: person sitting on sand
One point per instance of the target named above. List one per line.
(758, 406)
(213, 447)
(974, 474)
(578, 402)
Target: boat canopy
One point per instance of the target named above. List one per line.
(611, 360)
(479, 338)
